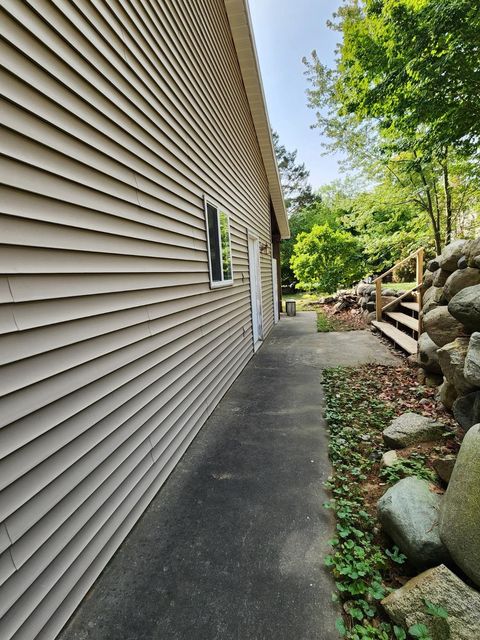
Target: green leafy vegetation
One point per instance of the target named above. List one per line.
(359, 405)
(326, 259)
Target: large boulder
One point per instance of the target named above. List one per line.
(460, 511)
(441, 326)
(411, 428)
(441, 587)
(472, 361)
(472, 252)
(427, 354)
(427, 280)
(460, 279)
(452, 254)
(409, 513)
(465, 307)
(466, 410)
(447, 394)
(364, 289)
(444, 467)
(440, 277)
(452, 360)
(432, 299)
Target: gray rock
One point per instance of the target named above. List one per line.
(434, 264)
(460, 512)
(462, 263)
(441, 326)
(472, 361)
(466, 410)
(472, 251)
(409, 513)
(427, 354)
(452, 360)
(411, 428)
(448, 394)
(444, 467)
(441, 587)
(371, 317)
(364, 289)
(433, 298)
(451, 254)
(370, 306)
(440, 277)
(460, 279)
(465, 307)
(389, 459)
(391, 293)
(475, 262)
(427, 280)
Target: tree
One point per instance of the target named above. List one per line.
(293, 177)
(383, 103)
(326, 259)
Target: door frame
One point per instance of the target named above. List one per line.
(255, 288)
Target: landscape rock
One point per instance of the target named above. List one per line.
(448, 394)
(452, 361)
(472, 361)
(434, 264)
(427, 280)
(475, 262)
(451, 254)
(472, 251)
(460, 512)
(442, 326)
(466, 410)
(444, 467)
(409, 513)
(371, 317)
(364, 289)
(465, 307)
(441, 587)
(427, 354)
(462, 263)
(460, 279)
(370, 306)
(411, 428)
(440, 277)
(433, 298)
(389, 459)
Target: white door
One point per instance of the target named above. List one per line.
(255, 289)
(276, 315)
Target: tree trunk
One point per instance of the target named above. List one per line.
(431, 213)
(448, 200)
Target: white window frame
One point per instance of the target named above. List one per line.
(217, 284)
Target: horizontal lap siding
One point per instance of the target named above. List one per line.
(118, 117)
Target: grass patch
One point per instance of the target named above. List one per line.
(324, 323)
(360, 403)
(304, 300)
(399, 286)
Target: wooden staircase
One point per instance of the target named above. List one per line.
(399, 320)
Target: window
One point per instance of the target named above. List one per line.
(219, 251)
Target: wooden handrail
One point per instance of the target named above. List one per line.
(379, 309)
(412, 255)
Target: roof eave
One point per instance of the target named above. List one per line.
(241, 28)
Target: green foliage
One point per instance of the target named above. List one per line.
(405, 467)
(293, 177)
(419, 631)
(404, 109)
(326, 259)
(435, 611)
(324, 324)
(395, 555)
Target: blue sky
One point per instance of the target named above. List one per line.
(285, 31)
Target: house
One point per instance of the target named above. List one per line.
(141, 214)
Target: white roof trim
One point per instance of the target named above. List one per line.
(241, 27)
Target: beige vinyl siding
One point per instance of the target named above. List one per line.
(118, 118)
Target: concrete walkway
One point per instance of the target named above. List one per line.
(232, 547)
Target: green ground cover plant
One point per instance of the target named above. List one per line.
(366, 567)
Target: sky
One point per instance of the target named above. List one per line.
(285, 31)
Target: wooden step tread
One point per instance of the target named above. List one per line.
(402, 318)
(407, 343)
(413, 306)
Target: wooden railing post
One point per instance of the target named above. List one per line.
(419, 267)
(378, 299)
